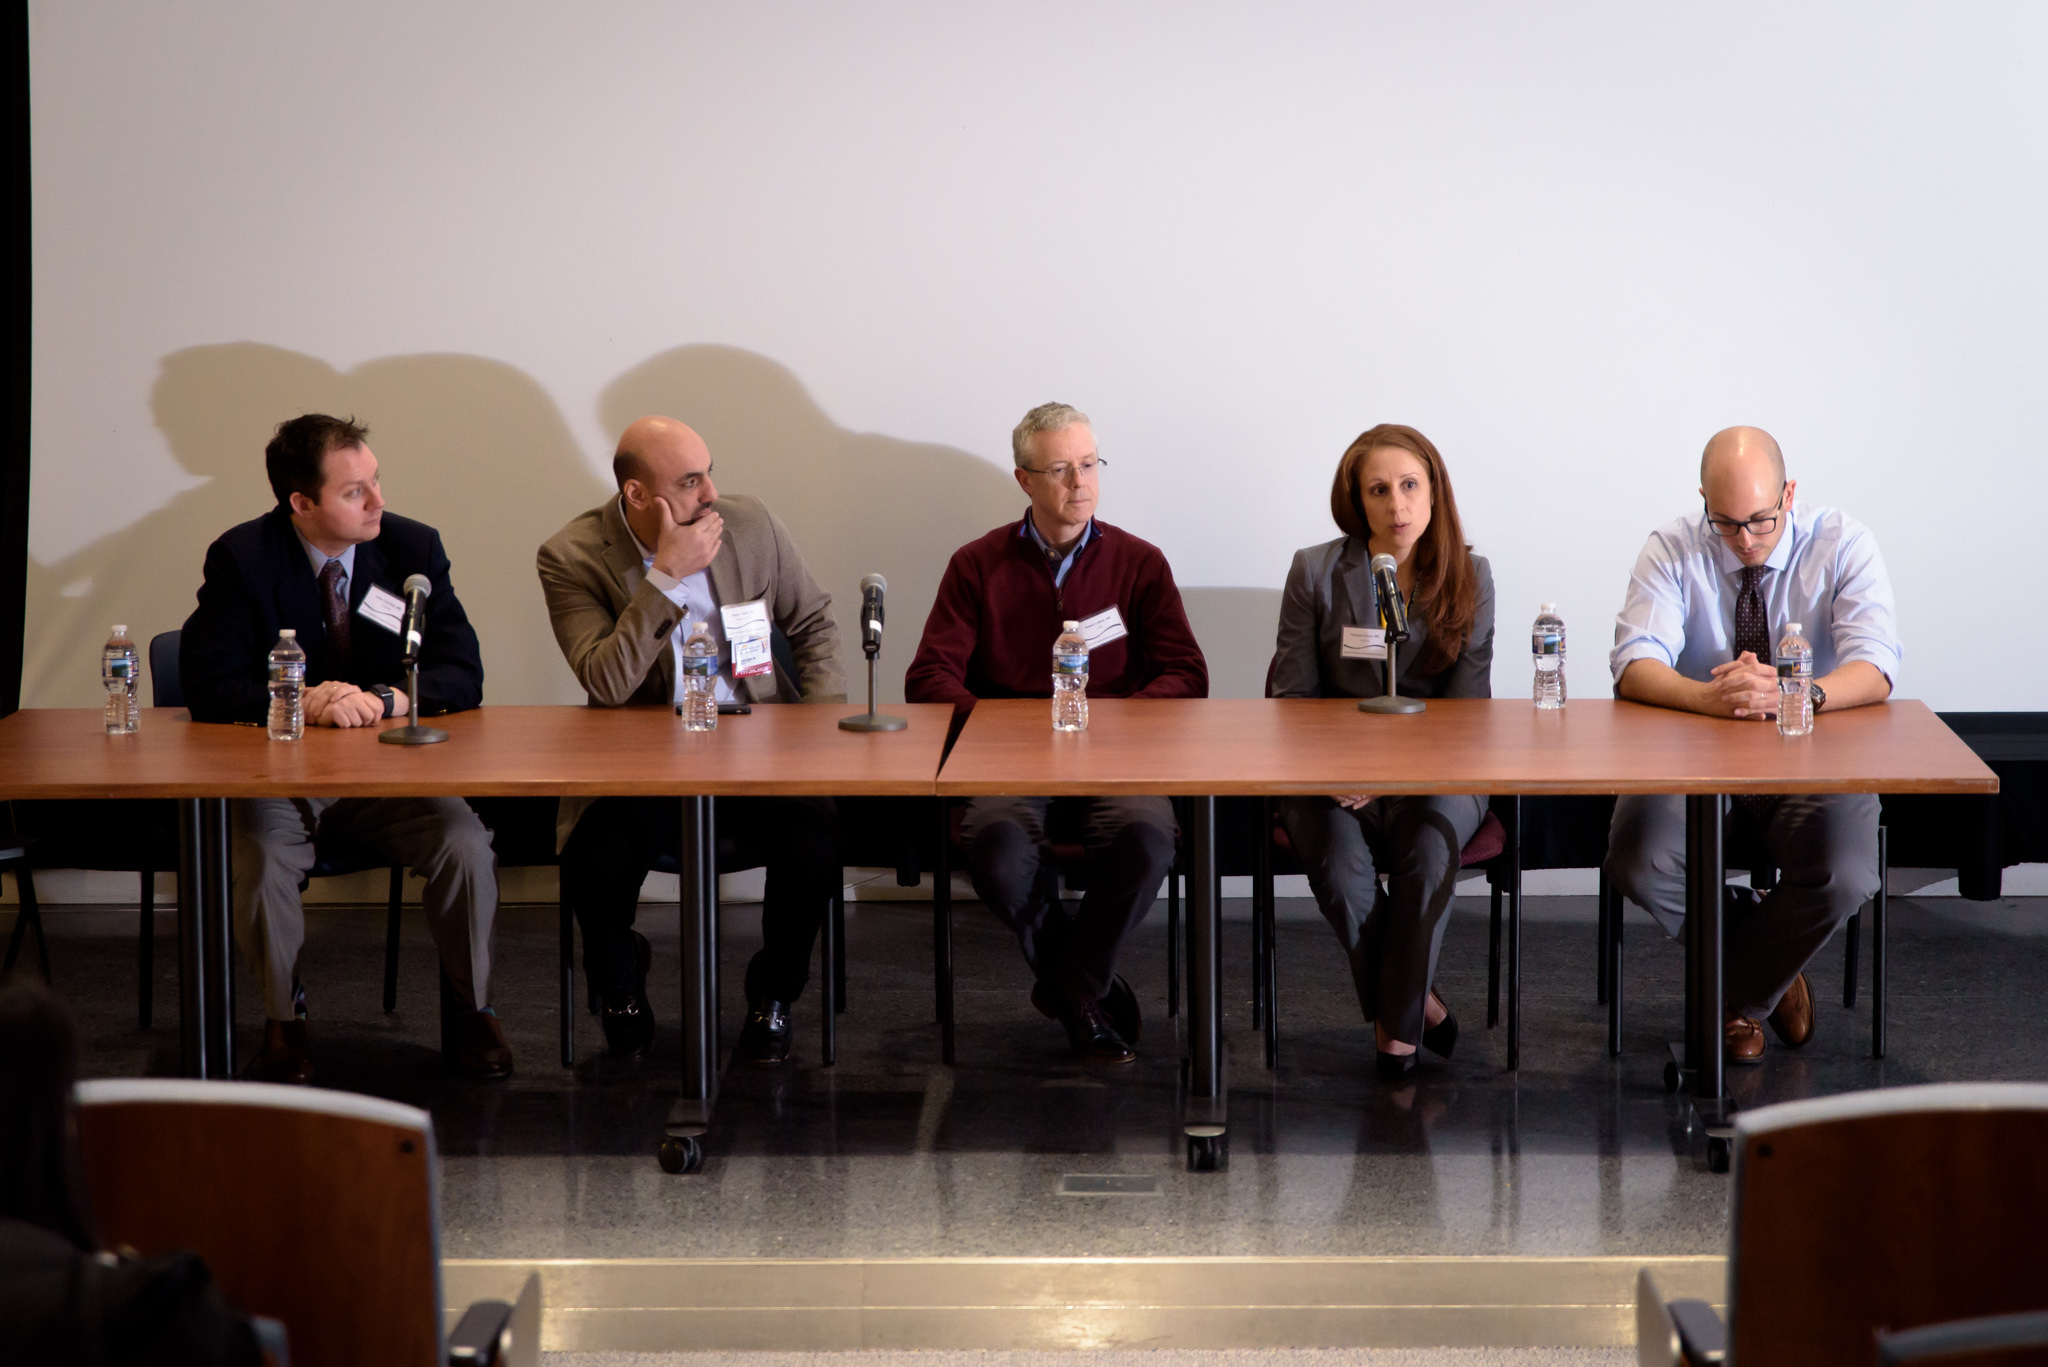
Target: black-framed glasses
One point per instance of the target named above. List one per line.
(1755, 526)
(1067, 470)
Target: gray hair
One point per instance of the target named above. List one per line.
(1047, 417)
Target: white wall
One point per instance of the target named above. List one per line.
(854, 242)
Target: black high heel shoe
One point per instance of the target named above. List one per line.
(1394, 1067)
(1442, 1037)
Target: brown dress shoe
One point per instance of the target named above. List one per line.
(480, 1048)
(1792, 1018)
(284, 1057)
(1744, 1040)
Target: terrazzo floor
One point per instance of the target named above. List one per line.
(891, 1154)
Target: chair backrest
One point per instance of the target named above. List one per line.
(165, 688)
(1884, 1210)
(315, 1208)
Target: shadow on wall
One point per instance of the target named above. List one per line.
(857, 503)
(471, 446)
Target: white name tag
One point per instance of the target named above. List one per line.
(1365, 643)
(384, 608)
(746, 632)
(1104, 627)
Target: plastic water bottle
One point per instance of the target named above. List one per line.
(119, 671)
(1795, 682)
(1546, 642)
(287, 687)
(699, 702)
(1070, 679)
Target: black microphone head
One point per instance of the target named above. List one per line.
(876, 582)
(420, 584)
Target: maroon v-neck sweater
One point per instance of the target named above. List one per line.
(998, 612)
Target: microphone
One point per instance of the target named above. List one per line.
(413, 628)
(1393, 611)
(871, 590)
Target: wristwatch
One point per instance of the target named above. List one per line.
(1819, 695)
(384, 692)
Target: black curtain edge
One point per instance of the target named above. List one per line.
(14, 466)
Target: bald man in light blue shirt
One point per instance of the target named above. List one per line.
(1709, 595)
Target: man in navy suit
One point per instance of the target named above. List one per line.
(330, 563)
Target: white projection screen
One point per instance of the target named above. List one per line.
(853, 243)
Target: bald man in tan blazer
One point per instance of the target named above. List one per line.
(623, 581)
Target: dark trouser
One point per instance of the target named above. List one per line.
(1824, 847)
(1130, 848)
(1391, 937)
(618, 839)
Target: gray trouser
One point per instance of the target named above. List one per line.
(1391, 937)
(438, 838)
(1129, 841)
(1824, 847)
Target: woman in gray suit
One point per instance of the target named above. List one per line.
(1392, 496)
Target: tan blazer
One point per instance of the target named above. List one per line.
(614, 627)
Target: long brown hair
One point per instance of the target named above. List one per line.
(1446, 585)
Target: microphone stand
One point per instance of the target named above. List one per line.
(413, 733)
(1392, 704)
(868, 720)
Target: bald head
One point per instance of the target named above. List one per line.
(1749, 452)
(652, 446)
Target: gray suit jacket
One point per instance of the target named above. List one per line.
(614, 627)
(1329, 587)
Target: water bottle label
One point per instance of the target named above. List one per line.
(1546, 642)
(1794, 669)
(1071, 664)
(700, 666)
(120, 667)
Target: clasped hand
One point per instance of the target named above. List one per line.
(335, 703)
(1745, 687)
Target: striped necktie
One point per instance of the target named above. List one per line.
(334, 600)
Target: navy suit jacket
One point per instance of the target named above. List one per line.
(259, 581)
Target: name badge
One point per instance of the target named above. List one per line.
(384, 608)
(746, 632)
(1104, 627)
(1365, 643)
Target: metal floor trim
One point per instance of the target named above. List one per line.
(676, 1304)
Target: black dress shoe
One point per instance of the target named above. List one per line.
(765, 1036)
(1442, 1037)
(1092, 1035)
(1121, 1004)
(1394, 1067)
(628, 1018)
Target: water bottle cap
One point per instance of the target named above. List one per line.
(1546, 607)
(1792, 628)
(288, 634)
(120, 630)
(1070, 626)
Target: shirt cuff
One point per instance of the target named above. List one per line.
(666, 584)
(1624, 656)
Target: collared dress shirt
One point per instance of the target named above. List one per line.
(693, 595)
(1059, 564)
(1825, 573)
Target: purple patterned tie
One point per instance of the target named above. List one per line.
(1753, 634)
(334, 599)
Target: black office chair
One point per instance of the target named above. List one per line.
(28, 917)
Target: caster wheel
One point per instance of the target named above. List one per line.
(1719, 1152)
(1671, 1077)
(1208, 1152)
(680, 1154)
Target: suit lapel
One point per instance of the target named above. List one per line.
(621, 557)
(1354, 589)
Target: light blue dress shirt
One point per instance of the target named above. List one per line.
(1825, 573)
(699, 604)
(1058, 563)
(319, 558)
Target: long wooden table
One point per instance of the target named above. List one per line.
(1203, 749)
(490, 752)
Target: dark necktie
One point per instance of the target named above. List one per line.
(1753, 634)
(334, 600)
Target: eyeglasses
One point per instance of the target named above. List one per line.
(1755, 526)
(1064, 471)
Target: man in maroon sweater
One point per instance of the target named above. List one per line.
(990, 635)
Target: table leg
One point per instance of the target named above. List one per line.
(1712, 1111)
(220, 946)
(1203, 1119)
(192, 985)
(690, 1117)
(206, 1043)
(1514, 834)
